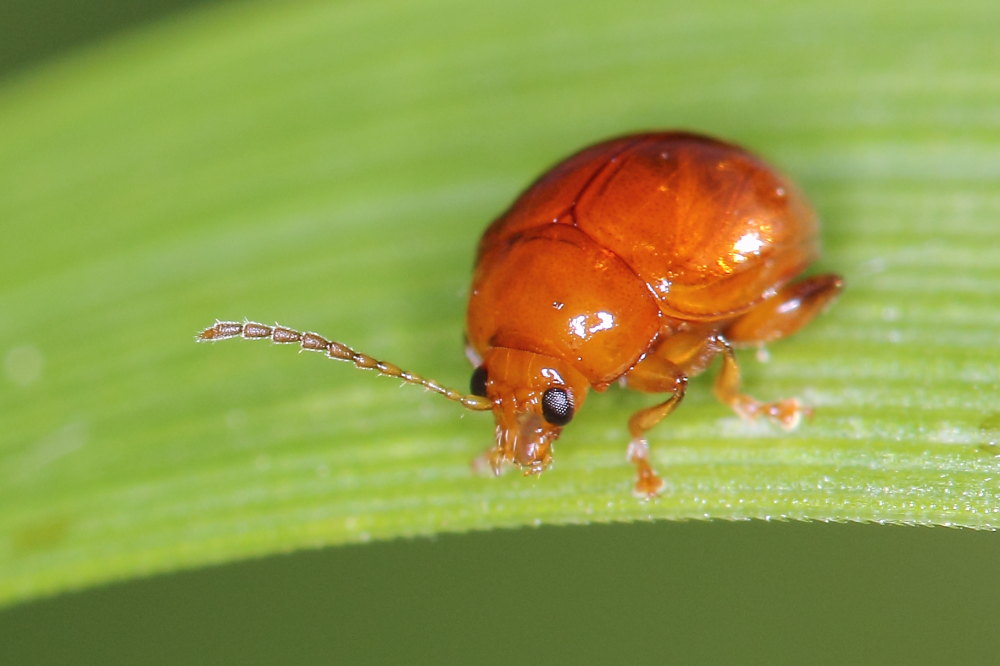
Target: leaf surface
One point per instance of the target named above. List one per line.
(331, 166)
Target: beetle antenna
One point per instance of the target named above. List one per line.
(249, 330)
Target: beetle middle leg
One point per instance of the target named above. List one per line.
(791, 308)
(786, 413)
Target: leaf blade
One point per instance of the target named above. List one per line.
(331, 168)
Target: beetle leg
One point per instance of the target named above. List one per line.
(787, 413)
(791, 308)
(648, 483)
(655, 374)
(665, 369)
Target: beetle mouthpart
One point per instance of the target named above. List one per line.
(523, 439)
(532, 448)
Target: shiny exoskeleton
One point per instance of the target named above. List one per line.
(637, 260)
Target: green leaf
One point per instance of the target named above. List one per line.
(331, 166)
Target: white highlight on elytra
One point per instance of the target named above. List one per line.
(587, 324)
(749, 243)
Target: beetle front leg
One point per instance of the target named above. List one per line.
(649, 484)
(654, 375)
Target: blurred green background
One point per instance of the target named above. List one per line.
(663, 592)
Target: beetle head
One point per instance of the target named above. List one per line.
(533, 397)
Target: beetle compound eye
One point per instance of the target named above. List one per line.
(477, 386)
(557, 406)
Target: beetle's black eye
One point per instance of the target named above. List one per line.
(557, 406)
(478, 383)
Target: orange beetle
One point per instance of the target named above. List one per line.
(637, 260)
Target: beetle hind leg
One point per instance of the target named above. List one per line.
(791, 308)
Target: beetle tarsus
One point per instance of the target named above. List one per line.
(648, 483)
(786, 413)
